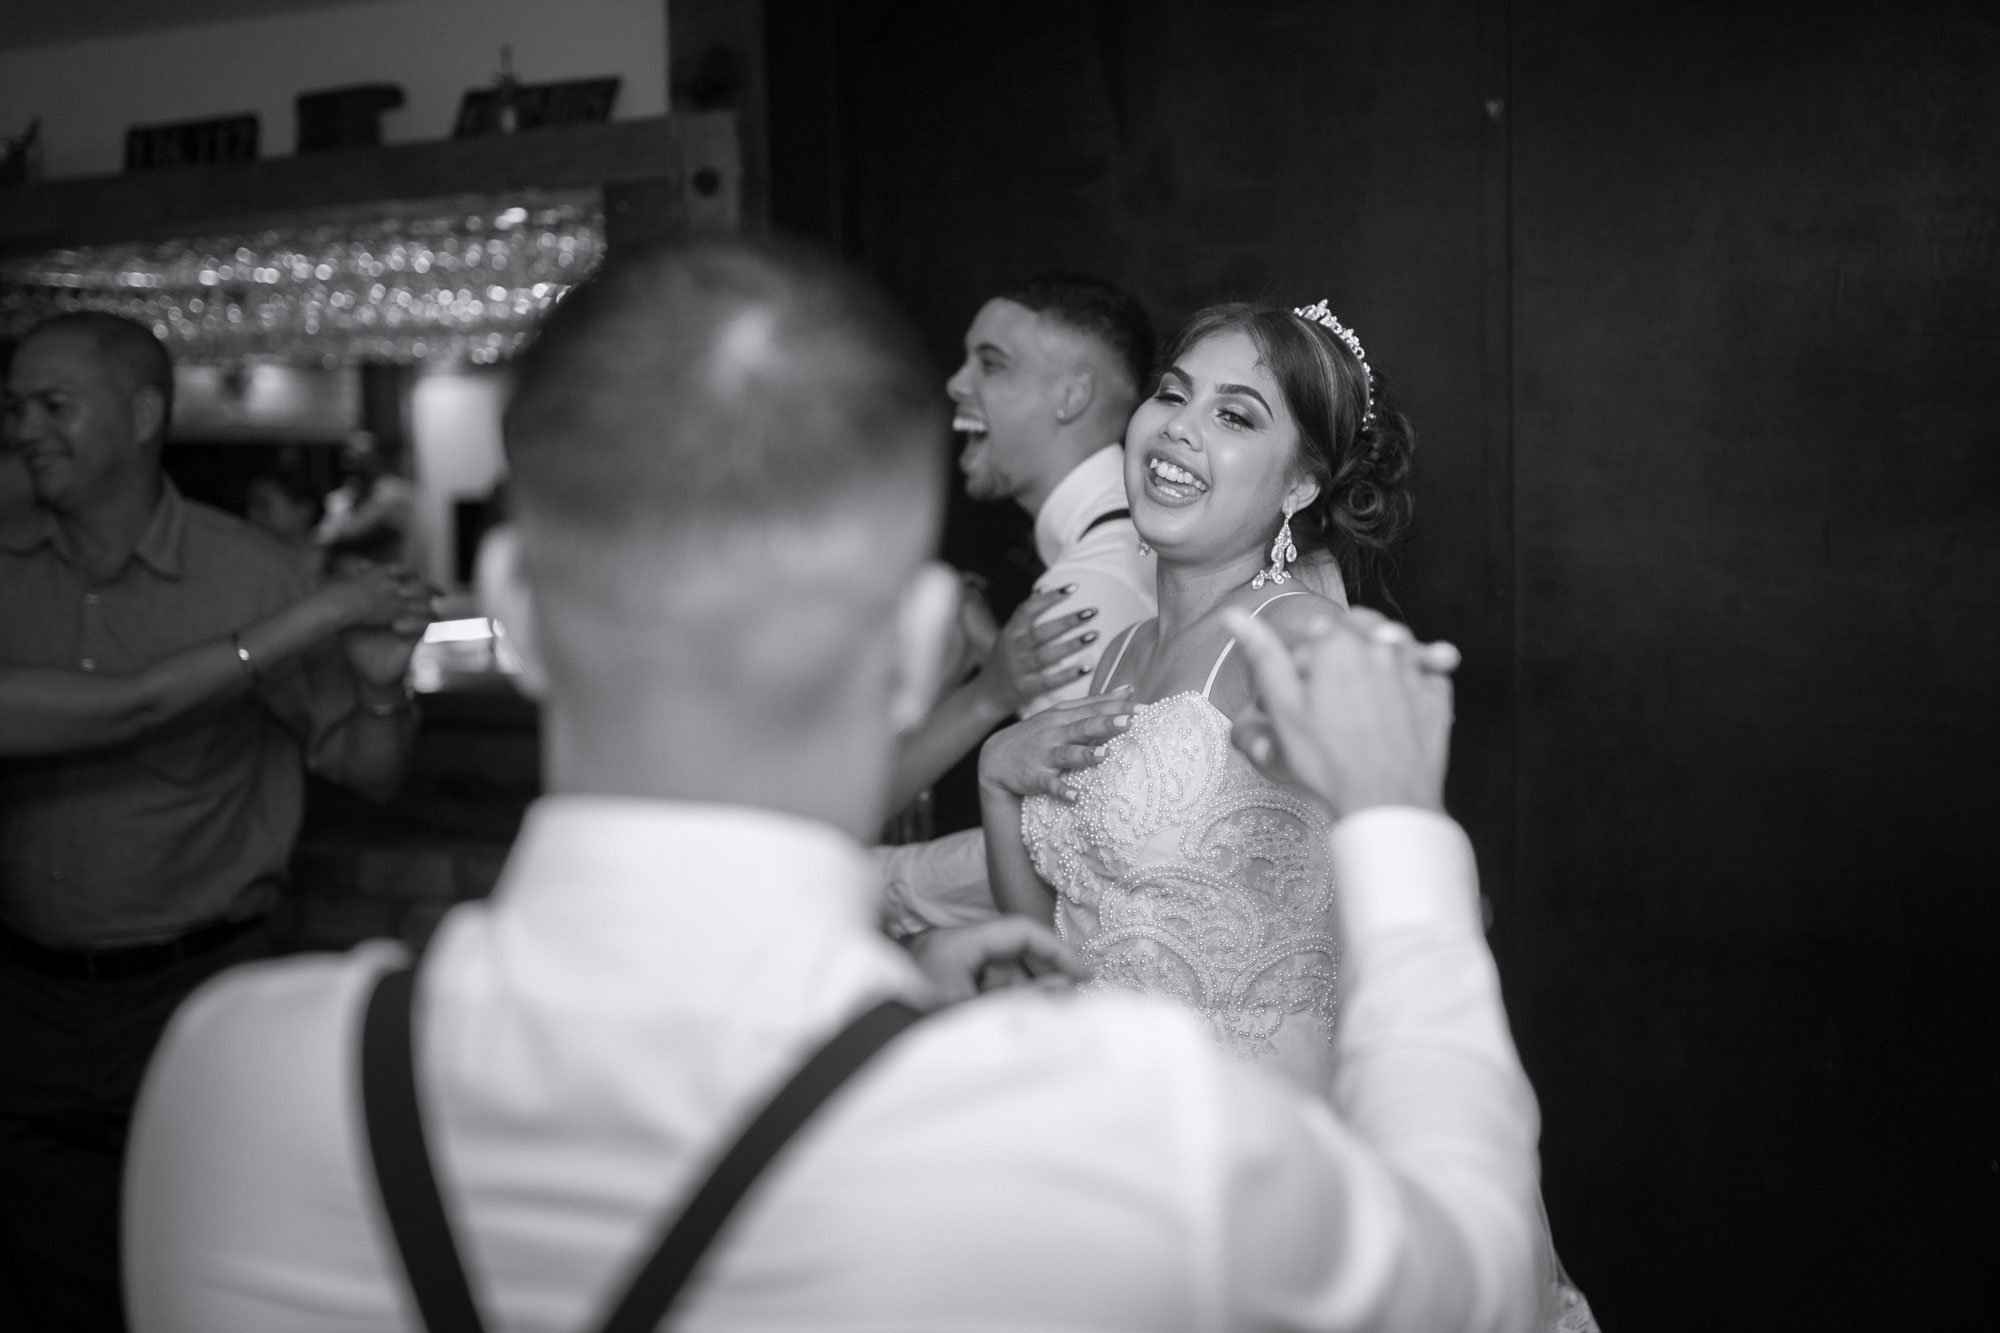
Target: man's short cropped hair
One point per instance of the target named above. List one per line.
(1097, 309)
(136, 349)
(718, 382)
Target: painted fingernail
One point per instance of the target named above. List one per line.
(1090, 637)
(1122, 721)
(1067, 587)
(1100, 751)
(1086, 613)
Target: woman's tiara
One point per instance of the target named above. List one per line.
(1319, 314)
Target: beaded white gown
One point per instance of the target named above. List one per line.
(1181, 870)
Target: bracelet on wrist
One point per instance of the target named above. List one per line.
(405, 702)
(243, 657)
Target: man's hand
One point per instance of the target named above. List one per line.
(388, 597)
(380, 656)
(1360, 713)
(962, 961)
(1037, 754)
(1029, 658)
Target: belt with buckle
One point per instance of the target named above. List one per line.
(121, 962)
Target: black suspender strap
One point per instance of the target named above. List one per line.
(1108, 516)
(403, 1163)
(651, 1294)
(416, 1213)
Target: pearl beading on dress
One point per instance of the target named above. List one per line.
(1209, 883)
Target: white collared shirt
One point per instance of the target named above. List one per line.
(1103, 562)
(646, 973)
(942, 881)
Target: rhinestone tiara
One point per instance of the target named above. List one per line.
(1319, 314)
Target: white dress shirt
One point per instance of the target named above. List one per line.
(942, 882)
(647, 973)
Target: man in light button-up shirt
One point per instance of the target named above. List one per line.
(728, 494)
(1053, 368)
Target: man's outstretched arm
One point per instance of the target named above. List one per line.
(1412, 1204)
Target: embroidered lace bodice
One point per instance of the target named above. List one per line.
(1180, 870)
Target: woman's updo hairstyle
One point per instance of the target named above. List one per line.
(1362, 466)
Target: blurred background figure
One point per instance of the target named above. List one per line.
(371, 516)
(132, 872)
(284, 503)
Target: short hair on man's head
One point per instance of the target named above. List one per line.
(1097, 309)
(136, 349)
(718, 383)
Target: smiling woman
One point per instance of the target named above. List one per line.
(1353, 444)
(1265, 438)
(1176, 865)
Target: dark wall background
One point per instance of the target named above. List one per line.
(1697, 309)
(1757, 430)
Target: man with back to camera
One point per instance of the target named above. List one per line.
(129, 875)
(1053, 369)
(727, 495)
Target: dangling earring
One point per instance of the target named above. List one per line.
(1282, 552)
(1143, 548)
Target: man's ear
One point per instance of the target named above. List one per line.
(148, 407)
(504, 595)
(926, 618)
(1078, 392)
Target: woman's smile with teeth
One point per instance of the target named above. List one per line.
(1180, 476)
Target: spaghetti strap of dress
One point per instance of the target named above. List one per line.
(1124, 642)
(1216, 670)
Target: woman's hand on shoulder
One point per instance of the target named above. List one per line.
(1037, 754)
(1031, 655)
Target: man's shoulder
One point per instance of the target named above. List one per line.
(283, 1006)
(1109, 547)
(247, 1152)
(1112, 534)
(221, 531)
(1112, 578)
(241, 565)
(1130, 1046)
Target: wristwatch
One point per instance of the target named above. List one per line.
(406, 702)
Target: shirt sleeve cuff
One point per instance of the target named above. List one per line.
(1399, 868)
